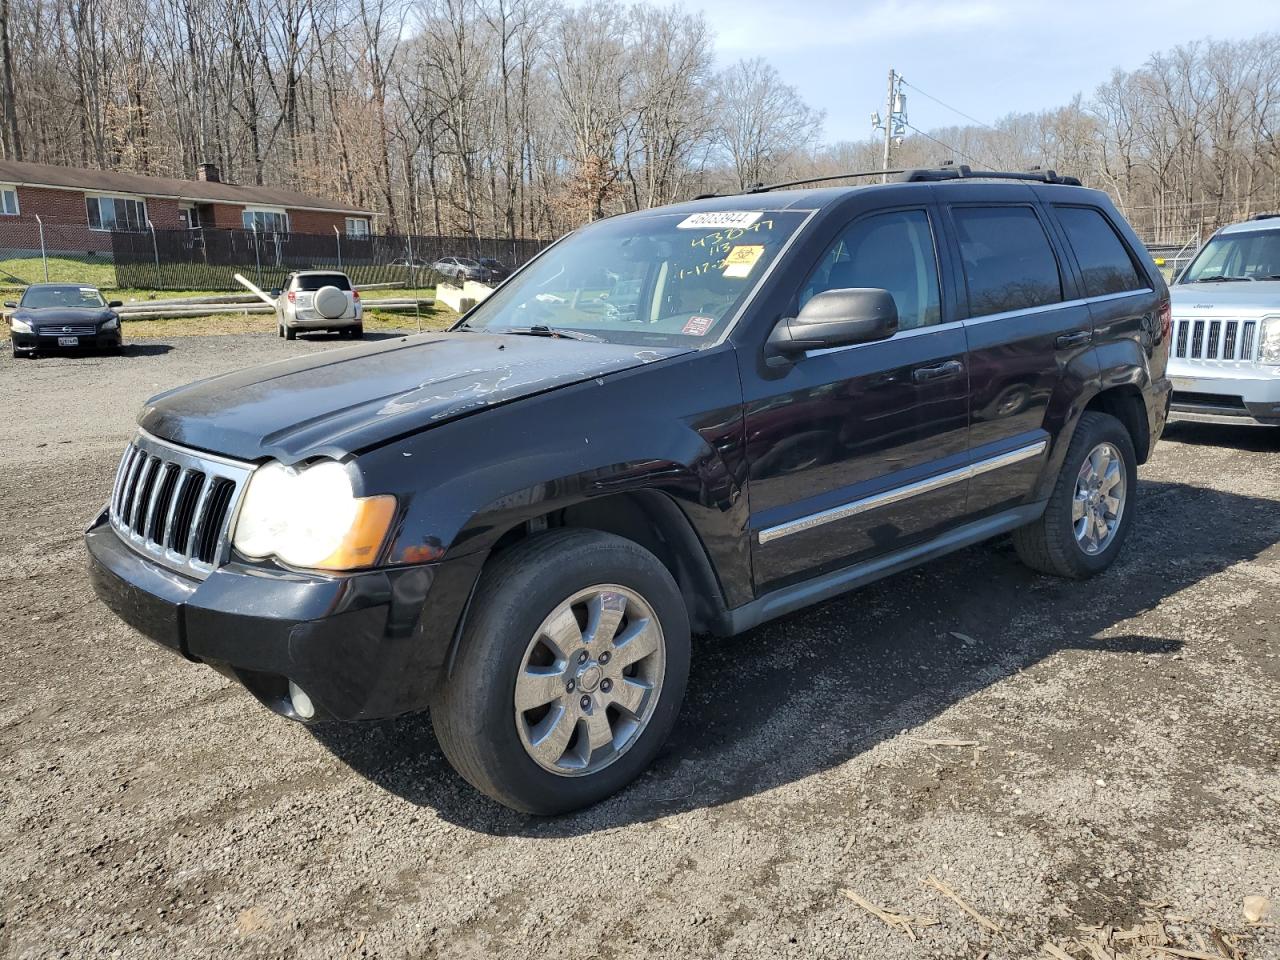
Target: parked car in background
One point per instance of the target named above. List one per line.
(1225, 363)
(318, 300)
(498, 271)
(461, 268)
(416, 263)
(63, 316)
(520, 522)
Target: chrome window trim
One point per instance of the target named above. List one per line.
(898, 494)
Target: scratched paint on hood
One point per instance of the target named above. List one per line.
(345, 400)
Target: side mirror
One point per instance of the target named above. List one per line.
(835, 318)
(275, 291)
(115, 303)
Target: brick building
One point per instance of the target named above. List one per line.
(97, 203)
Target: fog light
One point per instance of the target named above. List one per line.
(302, 704)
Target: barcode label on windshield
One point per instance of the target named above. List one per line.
(719, 220)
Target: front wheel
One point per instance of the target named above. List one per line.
(571, 671)
(1092, 504)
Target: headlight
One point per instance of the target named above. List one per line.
(311, 517)
(19, 326)
(1269, 349)
(112, 324)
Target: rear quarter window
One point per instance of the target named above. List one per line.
(1008, 261)
(1106, 265)
(314, 281)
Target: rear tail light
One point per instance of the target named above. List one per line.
(1165, 313)
(292, 297)
(355, 294)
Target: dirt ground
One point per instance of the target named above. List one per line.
(1088, 767)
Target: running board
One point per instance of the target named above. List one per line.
(797, 596)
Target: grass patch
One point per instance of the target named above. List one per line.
(92, 272)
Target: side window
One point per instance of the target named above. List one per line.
(1008, 262)
(892, 251)
(1104, 260)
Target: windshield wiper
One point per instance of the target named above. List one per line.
(1219, 278)
(542, 330)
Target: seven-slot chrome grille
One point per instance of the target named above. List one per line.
(1214, 339)
(176, 505)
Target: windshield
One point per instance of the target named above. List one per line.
(666, 279)
(37, 298)
(1252, 255)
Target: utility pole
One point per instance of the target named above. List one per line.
(894, 123)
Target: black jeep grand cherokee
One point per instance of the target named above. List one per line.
(688, 419)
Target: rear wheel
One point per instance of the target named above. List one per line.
(290, 333)
(1091, 506)
(357, 332)
(571, 671)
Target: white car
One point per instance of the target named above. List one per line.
(1225, 357)
(318, 300)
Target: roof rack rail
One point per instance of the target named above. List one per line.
(947, 170)
(953, 171)
(765, 188)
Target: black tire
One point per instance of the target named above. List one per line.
(357, 332)
(1049, 544)
(280, 330)
(473, 712)
(290, 333)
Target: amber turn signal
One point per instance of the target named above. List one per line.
(359, 548)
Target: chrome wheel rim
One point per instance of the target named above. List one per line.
(1098, 504)
(589, 680)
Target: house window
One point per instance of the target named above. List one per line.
(357, 227)
(9, 201)
(265, 220)
(116, 213)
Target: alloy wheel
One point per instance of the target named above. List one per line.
(1099, 501)
(589, 680)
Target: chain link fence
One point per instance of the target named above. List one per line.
(33, 251)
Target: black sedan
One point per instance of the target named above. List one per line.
(63, 316)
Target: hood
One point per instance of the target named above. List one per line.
(1239, 298)
(341, 401)
(48, 316)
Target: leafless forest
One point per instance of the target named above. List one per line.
(526, 117)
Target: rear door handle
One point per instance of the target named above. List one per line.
(1074, 339)
(943, 371)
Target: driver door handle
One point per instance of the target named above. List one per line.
(943, 371)
(1074, 339)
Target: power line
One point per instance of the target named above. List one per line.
(955, 150)
(948, 106)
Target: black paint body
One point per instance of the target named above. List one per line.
(484, 439)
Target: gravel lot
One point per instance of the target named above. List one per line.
(1062, 756)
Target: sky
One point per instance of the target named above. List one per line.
(986, 58)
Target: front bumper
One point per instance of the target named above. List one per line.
(46, 342)
(362, 646)
(1231, 394)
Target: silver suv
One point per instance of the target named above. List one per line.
(318, 300)
(1225, 362)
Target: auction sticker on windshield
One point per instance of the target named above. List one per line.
(740, 260)
(719, 220)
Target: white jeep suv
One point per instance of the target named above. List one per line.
(318, 300)
(1225, 361)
